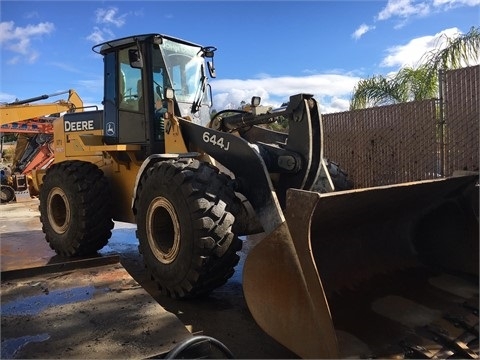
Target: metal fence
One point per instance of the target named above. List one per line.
(411, 141)
(461, 99)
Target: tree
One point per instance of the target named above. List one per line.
(418, 83)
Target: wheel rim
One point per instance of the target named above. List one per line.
(58, 210)
(163, 230)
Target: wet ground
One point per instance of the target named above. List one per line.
(223, 315)
(398, 307)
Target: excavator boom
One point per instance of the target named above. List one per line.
(34, 125)
(22, 110)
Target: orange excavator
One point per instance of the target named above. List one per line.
(32, 124)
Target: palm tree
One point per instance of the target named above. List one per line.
(418, 83)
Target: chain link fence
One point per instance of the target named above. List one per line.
(412, 141)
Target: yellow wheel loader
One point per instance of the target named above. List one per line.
(381, 272)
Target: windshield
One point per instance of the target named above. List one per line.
(185, 69)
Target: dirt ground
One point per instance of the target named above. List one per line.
(223, 315)
(390, 299)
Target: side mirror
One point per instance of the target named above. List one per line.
(211, 69)
(209, 52)
(135, 58)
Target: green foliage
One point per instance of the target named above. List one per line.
(418, 83)
(457, 53)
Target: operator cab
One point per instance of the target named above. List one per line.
(138, 70)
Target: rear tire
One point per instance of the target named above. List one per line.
(7, 194)
(75, 208)
(184, 227)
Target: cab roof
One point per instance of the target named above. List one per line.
(110, 45)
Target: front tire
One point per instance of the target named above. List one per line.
(7, 194)
(184, 227)
(75, 208)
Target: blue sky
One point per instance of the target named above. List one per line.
(271, 49)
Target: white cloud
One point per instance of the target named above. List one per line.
(94, 85)
(411, 54)
(335, 105)
(19, 39)
(8, 31)
(333, 91)
(105, 18)
(6, 98)
(110, 16)
(96, 36)
(14, 60)
(403, 9)
(362, 30)
(100, 35)
(455, 3)
(31, 15)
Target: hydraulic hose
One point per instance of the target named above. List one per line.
(183, 348)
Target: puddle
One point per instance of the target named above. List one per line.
(34, 305)
(10, 347)
(123, 240)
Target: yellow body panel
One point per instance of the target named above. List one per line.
(174, 142)
(122, 180)
(89, 147)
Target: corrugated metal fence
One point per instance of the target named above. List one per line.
(411, 141)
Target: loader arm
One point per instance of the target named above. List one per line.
(247, 165)
(297, 162)
(299, 292)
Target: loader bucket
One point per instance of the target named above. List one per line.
(388, 272)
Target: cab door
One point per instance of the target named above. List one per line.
(124, 116)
